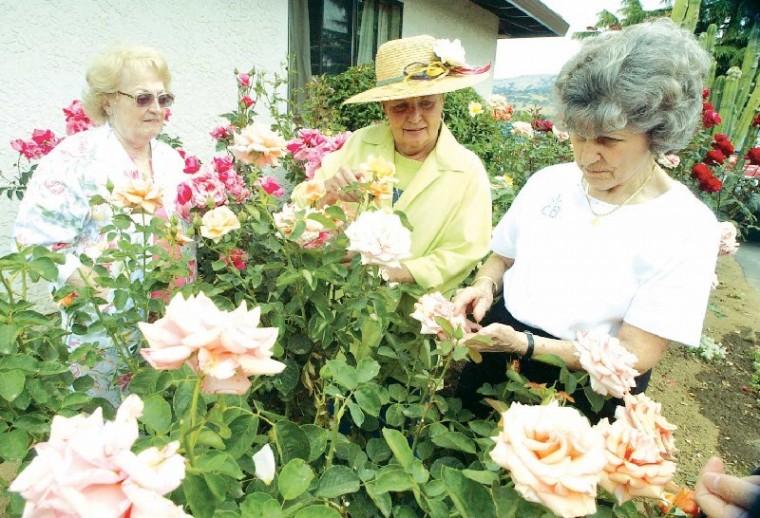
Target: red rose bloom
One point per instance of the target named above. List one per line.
(714, 157)
(701, 172)
(753, 155)
(192, 165)
(542, 125)
(711, 184)
(721, 142)
(247, 101)
(710, 118)
(705, 93)
(756, 120)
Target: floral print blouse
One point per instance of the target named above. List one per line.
(56, 211)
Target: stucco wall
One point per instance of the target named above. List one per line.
(456, 19)
(46, 46)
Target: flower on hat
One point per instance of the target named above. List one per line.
(450, 52)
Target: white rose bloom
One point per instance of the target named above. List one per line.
(380, 238)
(450, 52)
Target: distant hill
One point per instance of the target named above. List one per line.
(525, 92)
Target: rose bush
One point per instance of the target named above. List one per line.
(293, 378)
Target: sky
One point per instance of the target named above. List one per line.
(528, 56)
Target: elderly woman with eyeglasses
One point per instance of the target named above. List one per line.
(127, 97)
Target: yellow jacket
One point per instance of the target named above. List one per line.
(448, 204)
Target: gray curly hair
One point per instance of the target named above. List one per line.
(647, 77)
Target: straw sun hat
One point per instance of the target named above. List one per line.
(417, 66)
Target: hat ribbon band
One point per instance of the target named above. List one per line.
(432, 71)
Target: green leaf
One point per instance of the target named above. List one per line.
(210, 438)
(399, 445)
(298, 229)
(382, 501)
(120, 298)
(596, 400)
(367, 369)
(214, 461)
(243, 432)
(393, 479)
(260, 505)
(470, 498)
(356, 413)
(342, 373)
(317, 511)
(45, 268)
(8, 335)
(14, 445)
(317, 440)
(368, 398)
(443, 437)
(327, 222)
(11, 384)
(551, 359)
(157, 414)
(377, 450)
(483, 477)
(292, 442)
(199, 496)
(337, 481)
(294, 479)
(29, 317)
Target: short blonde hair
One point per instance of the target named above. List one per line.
(104, 75)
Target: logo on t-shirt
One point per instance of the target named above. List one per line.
(551, 209)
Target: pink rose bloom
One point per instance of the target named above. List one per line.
(257, 144)
(553, 455)
(433, 305)
(222, 164)
(45, 140)
(221, 132)
(380, 238)
(192, 165)
(247, 101)
(608, 363)
(244, 79)
(635, 466)
(76, 119)
(642, 413)
(167, 114)
(728, 244)
(87, 468)
(224, 347)
(271, 186)
(206, 185)
(30, 150)
(315, 235)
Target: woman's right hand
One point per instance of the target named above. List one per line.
(343, 178)
(724, 496)
(475, 300)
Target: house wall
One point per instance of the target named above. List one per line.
(47, 45)
(476, 27)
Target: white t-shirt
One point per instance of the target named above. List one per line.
(649, 264)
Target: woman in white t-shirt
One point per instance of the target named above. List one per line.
(610, 243)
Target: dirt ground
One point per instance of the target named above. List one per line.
(712, 402)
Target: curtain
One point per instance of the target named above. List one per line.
(384, 23)
(366, 48)
(299, 50)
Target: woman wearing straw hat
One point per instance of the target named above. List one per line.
(443, 188)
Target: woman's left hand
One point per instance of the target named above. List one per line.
(504, 339)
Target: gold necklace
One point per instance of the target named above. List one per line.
(595, 219)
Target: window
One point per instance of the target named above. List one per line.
(329, 36)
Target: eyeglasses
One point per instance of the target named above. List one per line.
(146, 99)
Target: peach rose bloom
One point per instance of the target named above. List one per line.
(434, 305)
(87, 468)
(635, 466)
(608, 363)
(380, 238)
(218, 222)
(307, 193)
(257, 144)
(139, 195)
(553, 455)
(226, 348)
(642, 413)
